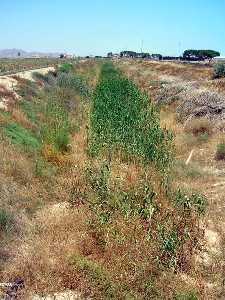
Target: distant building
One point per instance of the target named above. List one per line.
(218, 59)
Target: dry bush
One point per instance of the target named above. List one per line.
(201, 103)
(199, 126)
(51, 155)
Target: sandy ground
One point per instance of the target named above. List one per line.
(10, 83)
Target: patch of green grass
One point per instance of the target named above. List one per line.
(66, 67)
(21, 136)
(123, 117)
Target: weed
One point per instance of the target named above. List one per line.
(190, 201)
(96, 276)
(5, 220)
(169, 242)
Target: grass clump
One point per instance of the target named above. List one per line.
(108, 71)
(220, 151)
(56, 127)
(74, 82)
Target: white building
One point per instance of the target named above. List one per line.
(218, 59)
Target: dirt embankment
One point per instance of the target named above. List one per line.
(8, 84)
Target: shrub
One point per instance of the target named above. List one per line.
(219, 70)
(220, 151)
(66, 68)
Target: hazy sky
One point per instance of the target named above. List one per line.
(98, 26)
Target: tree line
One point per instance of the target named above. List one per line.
(190, 54)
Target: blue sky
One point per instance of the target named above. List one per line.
(98, 26)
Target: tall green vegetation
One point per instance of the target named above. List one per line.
(123, 117)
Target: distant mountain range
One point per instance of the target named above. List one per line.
(16, 53)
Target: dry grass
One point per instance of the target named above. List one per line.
(199, 126)
(21, 118)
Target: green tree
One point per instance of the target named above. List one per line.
(200, 54)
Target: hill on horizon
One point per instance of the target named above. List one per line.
(15, 53)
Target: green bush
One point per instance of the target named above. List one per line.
(66, 68)
(123, 117)
(219, 70)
